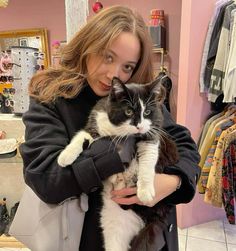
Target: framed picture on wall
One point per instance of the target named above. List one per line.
(23, 41)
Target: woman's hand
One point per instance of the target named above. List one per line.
(164, 185)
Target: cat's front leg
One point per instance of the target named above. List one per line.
(73, 150)
(148, 154)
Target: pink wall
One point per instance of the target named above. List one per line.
(26, 14)
(192, 108)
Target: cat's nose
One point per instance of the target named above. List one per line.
(140, 128)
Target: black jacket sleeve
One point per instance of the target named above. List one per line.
(45, 137)
(187, 166)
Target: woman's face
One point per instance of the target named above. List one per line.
(119, 60)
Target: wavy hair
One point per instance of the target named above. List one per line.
(95, 37)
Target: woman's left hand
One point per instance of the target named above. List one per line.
(164, 185)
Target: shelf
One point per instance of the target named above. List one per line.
(10, 241)
(159, 50)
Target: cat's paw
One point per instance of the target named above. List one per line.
(117, 180)
(66, 158)
(112, 179)
(146, 193)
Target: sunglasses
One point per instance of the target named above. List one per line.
(39, 67)
(9, 102)
(38, 54)
(6, 79)
(11, 91)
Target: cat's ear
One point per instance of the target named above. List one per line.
(158, 89)
(117, 88)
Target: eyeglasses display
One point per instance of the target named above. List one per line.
(17, 66)
(5, 79)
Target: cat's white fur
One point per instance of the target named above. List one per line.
(120, 226)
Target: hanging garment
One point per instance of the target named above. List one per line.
(214, 45)
(213, 193)
(206, 127)
(218, 72)
(220, 127)
(209, 138)
(218, 6)
(230, 73)
(229, 181)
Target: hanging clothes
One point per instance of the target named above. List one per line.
(229, 181)
(213, 194)
(209, 142)
(219, 128)
(230, 72)
(211, 26)
(218, 71)
(214, 45)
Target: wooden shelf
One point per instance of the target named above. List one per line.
(10, 241)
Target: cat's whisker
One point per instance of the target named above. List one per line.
(151, 102)
(158, 129)
(161, 134)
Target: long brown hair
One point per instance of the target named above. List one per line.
(94, 37)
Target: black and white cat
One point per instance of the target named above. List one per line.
(129, 110)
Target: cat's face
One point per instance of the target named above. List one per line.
(135, 108)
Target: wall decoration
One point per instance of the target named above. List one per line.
(97, 6)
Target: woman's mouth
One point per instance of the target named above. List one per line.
(105, 86)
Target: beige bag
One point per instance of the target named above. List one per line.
(49, 227)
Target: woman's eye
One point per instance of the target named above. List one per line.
(108, 58)
(147, 112)
(128, 68)
(128, 112)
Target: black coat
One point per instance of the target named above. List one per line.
(49, 128)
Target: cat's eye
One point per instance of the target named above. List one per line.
(129, 112)
(147, 112)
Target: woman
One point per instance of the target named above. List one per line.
(114, 42)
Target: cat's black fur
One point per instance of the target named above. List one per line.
(133, 110)
(115, 104)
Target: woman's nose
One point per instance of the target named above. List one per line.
(113, 71)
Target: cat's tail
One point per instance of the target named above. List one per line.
(149, 238)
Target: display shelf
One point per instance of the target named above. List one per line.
(159, 50)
